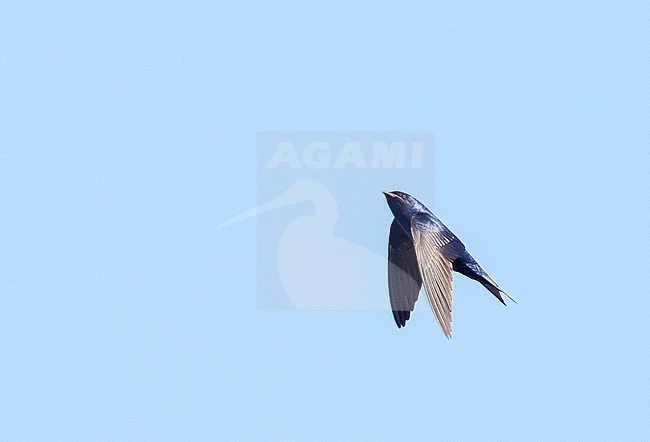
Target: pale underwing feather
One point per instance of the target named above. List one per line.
(435, 269)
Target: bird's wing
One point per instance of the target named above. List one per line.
(432, 244)
(404, 281)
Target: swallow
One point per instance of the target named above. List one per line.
(422, 250)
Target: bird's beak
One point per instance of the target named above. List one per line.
(389, 194)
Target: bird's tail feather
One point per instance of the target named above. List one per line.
(494, 289)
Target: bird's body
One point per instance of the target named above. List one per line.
(423, 251)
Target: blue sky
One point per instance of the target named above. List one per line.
(129, 134)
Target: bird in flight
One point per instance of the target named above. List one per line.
(421, 249)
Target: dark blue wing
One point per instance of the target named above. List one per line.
(404, 281)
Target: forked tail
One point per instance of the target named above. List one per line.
(492, 286)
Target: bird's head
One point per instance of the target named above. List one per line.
(402, 204)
